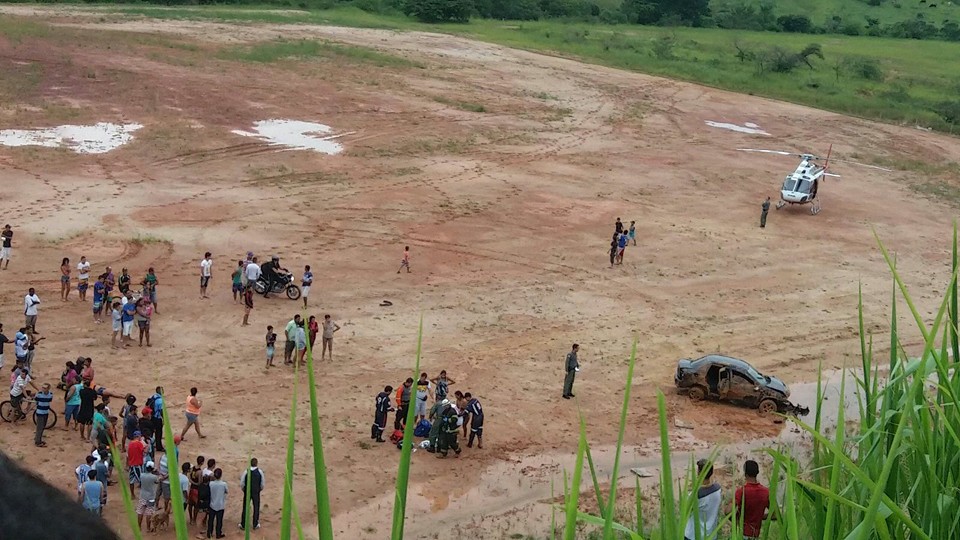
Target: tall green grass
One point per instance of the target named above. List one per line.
(889, 475)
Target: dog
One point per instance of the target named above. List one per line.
(161, 521)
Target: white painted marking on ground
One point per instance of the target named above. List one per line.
(748, 128)
(750, 125)
(96, 139)
(296, 134)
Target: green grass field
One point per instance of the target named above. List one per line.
(910, 81)
(889, 11)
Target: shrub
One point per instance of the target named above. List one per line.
(513, 10)
(436, 11)
(612, 16)
(949, 111)
(662, 47)
(864, 68)
(795, 23)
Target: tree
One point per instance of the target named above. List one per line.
(795, 23)
(642, 11)
(436, 11)
(653, 11)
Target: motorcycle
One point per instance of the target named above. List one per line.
(283, 285)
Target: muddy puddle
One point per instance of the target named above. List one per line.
(512, 497)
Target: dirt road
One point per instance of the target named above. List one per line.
(504, 171)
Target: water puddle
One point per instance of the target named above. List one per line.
(296, 134)
(748, 127)
(98, 138)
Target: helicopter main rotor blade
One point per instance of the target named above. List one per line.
(863, 165)
(764, 151)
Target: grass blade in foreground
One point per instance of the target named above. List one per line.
(128, 507)
(573, 497)
(291, 440)
(324, 517)
(612, 498)
(403, 470)
(668, 506)
(173, 470)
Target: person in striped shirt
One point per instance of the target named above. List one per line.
(44, 398)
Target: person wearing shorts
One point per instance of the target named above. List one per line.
(271, 345)
(237, 281)
(127, 314)
(83, 278)
(7, 236)
(305, 284)
(149, 488)
(424, 391)
(205, 274)
(99, 295)
(117, 319)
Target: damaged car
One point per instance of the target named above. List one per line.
(730, 379)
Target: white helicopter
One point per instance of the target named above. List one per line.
(801, 186)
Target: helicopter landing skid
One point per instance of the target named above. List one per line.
(815, 208)
(781, 204)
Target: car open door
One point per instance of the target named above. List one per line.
(723, 387)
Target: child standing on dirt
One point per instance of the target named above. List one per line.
(405, 262)
(271, 345)
(633, 232)
(305, 283)
(237, 278)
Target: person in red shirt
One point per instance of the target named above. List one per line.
(752, 500)
(135, 451)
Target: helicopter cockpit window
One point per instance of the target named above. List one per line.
(805, 186)
(789, 184)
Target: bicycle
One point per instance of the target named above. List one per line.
(28, 406)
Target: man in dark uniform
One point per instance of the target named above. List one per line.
(764, 208)
(475, 410)
(271, 271)
(448, 433)
(572, 367)
(619, 226)
(380, 415)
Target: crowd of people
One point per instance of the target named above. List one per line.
(438, 424)
(621, 238)
(136, 432)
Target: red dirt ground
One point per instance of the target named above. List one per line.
(508, 213)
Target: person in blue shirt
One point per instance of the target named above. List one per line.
(157, 406)
(621, 247)
(99, 291)
(92, 493)
(43, 399)
(127, 314)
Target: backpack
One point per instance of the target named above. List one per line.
(151, 401)
(422, 429)
(396, 436)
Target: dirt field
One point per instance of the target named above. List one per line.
(508, 213)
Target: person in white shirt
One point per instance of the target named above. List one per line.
(252, 271)
(702, 524)
(205, 274)
(30, 303)
(16, 393)
(83, 278)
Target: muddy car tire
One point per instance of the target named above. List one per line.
(768, 406)
(697, 393)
